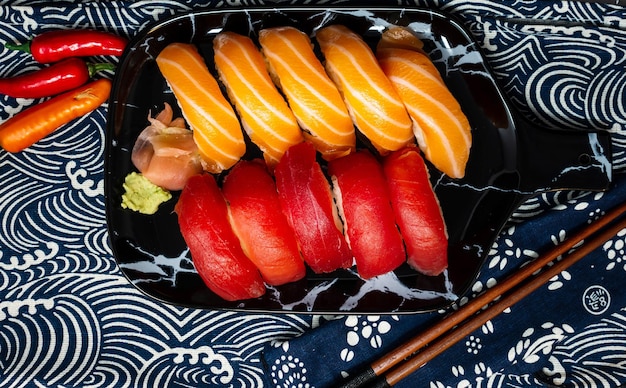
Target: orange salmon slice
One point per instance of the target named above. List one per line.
(374, 104)
(263, 111)
(216, 129)
(313, 97)
(442, 131)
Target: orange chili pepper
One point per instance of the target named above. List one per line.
(35, 123)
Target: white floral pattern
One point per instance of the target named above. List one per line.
(535, 342)
(290, 371)
(371, 329)
(616, 252)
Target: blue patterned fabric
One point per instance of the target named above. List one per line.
(68, 317)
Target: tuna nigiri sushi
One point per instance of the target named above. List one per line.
(417, 210)
(257, 219)
(442, 130)
(263, 111)
(369, 221)
(216, 129)
(306, 199)
(312, 96)
(376, 108)
(215, 249)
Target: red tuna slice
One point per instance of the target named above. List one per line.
(307, 201)
(370, 227)
(417, 209)
(257, 219)
(214, 247)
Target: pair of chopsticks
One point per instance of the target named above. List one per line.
(416, 352)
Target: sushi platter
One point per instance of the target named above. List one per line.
(510, 161)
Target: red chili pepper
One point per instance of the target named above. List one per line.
(49, 81)
(52, 46)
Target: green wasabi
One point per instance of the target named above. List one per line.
(141, 195)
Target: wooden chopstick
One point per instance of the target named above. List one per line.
(465, 320)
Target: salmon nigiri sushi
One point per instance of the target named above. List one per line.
(312, 96)
(376, 108)
(263, 111)
(442, 130)
(216, 129)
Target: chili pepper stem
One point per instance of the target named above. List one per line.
(93, 68)
(25, 47)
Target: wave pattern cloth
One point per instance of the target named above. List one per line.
(68, 317)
